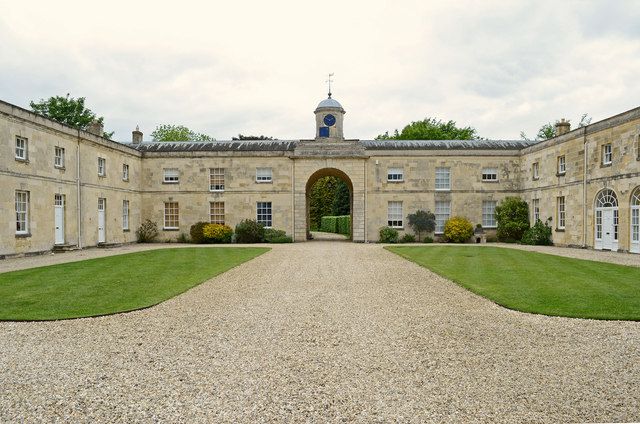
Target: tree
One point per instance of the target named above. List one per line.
(251, 137)
(170, 132)
(548, 130)
(329, 196)
(431, 129)
(513, 219)
(69, 111)
(341, 200)
(422, 222)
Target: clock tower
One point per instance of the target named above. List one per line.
(329, 117)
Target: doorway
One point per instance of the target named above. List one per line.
(102, 206)
(329, 195)
(606, 222)
(58, 210)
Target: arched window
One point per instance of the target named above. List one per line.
(606, 199)
(635, 197)
(635, 221)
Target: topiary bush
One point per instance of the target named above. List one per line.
(457, 229)
(147, 232)
(329, 224)
(408, 238)
(196, 232)
(422, 222)
(217, 233)
(388, 235)
(539, 234)
(343, 224)
(249, 231)
(513, 219)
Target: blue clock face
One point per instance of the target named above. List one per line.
(329, 120)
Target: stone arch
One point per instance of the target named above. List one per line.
(328, 172)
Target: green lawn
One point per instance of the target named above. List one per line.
(536, 282)
(113, 284)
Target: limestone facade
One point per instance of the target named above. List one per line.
(178, 184)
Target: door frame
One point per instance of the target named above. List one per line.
(59, 204)
(102, 210)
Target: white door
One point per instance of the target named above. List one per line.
(635, 229)
(59, 218)
(101, 220)
(607, 229)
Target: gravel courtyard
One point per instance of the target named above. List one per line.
(321, 332)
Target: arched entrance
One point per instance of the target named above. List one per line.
(606, 223)
(635, 221)
(313, 179)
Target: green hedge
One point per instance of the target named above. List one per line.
(336, 224)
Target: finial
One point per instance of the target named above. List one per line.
(137, 127)
(329, 81)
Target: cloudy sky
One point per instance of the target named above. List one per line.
(259, 67)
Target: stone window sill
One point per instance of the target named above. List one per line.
(171, 182)
(171, 229)
(561, 174)
(606, 165)
(559, 230)
(61, 168)
(264, 182)
(23, 235)
(23, 160)
(125, 230)
(490, 181)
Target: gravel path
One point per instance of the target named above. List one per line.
(322, 332)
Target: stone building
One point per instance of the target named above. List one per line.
(61, 186)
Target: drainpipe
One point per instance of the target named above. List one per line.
(78, 208)
(293, 199)
(584, 188)
(364, 209)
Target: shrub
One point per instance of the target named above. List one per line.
(281, 239)
(147, 232)
(196, 232)
(428, 240)
(182, 238)
(271, 234)
(408, 238)
(249, 231)
(539, 234)
(388, 235)
(422, 222)
(457, 229)
(343, 224)
(513, 219)
(217, 233)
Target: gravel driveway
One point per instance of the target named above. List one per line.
(322, 332)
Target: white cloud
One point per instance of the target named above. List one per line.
(257, 67)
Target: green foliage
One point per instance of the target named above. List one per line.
(546, 132)
(197, 232)
(217, 233)
(147, 232)
(250, 231)
(428, 240)
(513, 219)
(113, 284)
(422, 222)
(251, 137)
(183, 238)
(431, 129)
(388, 235)
(458, 229)
(535, 282)
(408, 238)
(169, 132)
(539, 234)
(336, 224)
(271, 235)
(329, 196)
(69, 111)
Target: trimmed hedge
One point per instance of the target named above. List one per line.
(336, 224)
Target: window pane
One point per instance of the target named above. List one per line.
(443, 179)
(171, 175)
(171, 215)
(263, 174)
(443, 212)
(395, 174)
(125, 214)
(264, 213)
(216, 212)
(394, 214)
(489, 213)
(216, 179)
(490, 174)
(22, 211)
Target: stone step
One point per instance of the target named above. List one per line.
(65, 247)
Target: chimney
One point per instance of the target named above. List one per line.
(562, 127)
(96, 128)
(136, 136)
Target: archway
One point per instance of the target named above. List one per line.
(606, 222)
(315, 178)
(635, 221)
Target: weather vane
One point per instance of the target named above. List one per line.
(329, 81)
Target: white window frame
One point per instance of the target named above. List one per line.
(22, 148)
(216, 179)
(443, 178)
(125, 215)
(171, 215)
(562, 212)
(22, 212)
(489, 214)
(562, 165)
(395, 217)
(395, 175)
(607, 154)
(442, 213)
(102, 167)
(535, 209)
(264, 175)
(58, 157)
(125, 172)
(264, 213)
(216, 213)
(170, 175)
(490, 175)
(535, 170)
